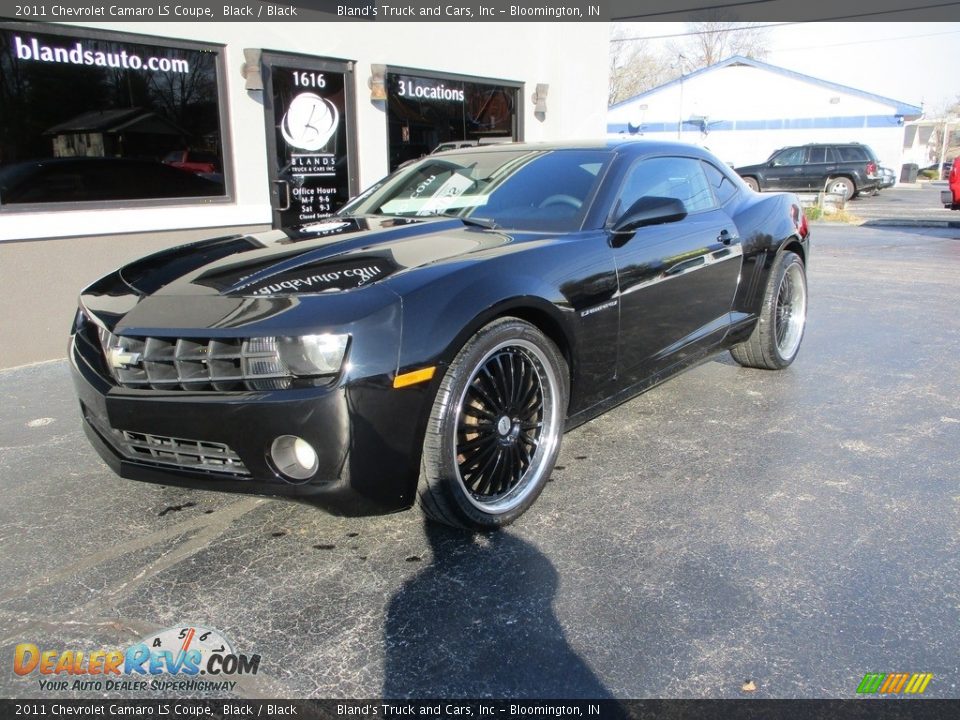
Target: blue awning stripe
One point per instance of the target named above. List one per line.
(814, 123)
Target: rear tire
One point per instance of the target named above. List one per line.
(775, 340)
(842, 186)
(494, 432)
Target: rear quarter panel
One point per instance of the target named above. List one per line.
(766, 226)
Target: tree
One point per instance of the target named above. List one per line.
(634, 67)
(943, 149)
(711, 40)
(637, 64)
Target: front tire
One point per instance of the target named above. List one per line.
(495, 428)
(775, 340)
(752, 183)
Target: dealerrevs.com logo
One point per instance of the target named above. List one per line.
(894, 683)
(170, 660)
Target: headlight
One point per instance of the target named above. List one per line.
(259, 363)
(308, 355)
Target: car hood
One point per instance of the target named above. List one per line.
(333, 256)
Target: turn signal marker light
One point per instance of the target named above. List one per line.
(414, 377)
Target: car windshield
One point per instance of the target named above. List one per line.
(513, 189)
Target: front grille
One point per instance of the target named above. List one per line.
(187, 454)
(195, 363)
(169, 451)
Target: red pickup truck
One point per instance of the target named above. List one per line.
(951, 198)
(197, 162)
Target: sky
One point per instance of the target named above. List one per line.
(915, 63)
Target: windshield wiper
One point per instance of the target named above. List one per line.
(475, 221)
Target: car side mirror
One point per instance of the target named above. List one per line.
(646, 211)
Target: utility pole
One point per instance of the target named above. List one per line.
(681, 57)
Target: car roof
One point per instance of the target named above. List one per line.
(825, 144)
(638, 146)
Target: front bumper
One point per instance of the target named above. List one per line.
(367, 435)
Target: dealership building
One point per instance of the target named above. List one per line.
(744, 109)
(117, 139)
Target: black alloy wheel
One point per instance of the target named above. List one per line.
(498, 417)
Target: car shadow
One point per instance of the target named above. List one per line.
(478, 621)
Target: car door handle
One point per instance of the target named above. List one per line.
(726, 238)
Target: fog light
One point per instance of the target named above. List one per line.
(294, 457)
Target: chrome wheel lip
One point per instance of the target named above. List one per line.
(790, 315)
(549, 436)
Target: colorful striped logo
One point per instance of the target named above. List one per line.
(894, 683)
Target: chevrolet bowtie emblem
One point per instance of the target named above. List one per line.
(120, 358)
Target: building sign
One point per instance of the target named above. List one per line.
(417, 88)
(310, 112)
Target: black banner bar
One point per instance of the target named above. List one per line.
(861, 709)
(476, 10)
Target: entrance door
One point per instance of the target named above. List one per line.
(309, 104)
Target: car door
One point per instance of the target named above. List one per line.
(819, 165)
(676, 280)
(785, 169)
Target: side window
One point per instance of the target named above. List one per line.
(791, 156)
(817, 155)
(723, 188)
(673, 177)
(849, 153)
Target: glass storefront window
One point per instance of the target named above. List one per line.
(431, 113)
(100, 117)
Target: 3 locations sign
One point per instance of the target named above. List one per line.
(424, 111)
(418, 88)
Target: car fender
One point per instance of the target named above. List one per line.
(440, 319)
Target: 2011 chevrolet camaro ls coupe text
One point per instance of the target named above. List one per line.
(435, 338)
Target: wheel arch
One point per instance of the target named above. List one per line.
(793, 244)
(846, 175)
(537, 311)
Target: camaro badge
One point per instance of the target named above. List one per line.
(120, 358)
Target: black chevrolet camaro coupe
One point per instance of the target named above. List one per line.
(433, 340)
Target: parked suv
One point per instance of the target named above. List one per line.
(842, 168)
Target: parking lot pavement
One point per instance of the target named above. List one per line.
(913, 203)
(796, 529)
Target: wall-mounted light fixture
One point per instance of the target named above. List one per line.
(539, 100)
(378, 82)
(251, 69)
